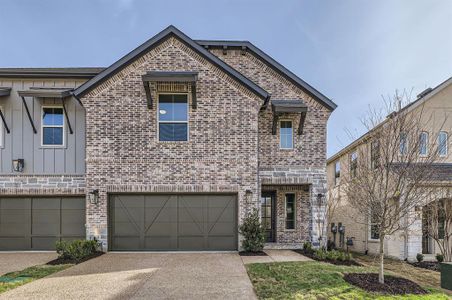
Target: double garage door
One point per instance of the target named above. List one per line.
(36, 223)
(173, 222)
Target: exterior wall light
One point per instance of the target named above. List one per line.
(248, 195)
(18, 165)
(320, 199)
(93, 197)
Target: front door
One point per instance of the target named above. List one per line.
(268, 215)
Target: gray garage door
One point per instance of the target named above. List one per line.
(37, 223)
(173, 222)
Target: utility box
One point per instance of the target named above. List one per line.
(446, 276)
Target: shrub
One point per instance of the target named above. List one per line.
(76, 250)
(320, 254)
(253, 232)
(420, 257)
(307, 247)
(440, 258)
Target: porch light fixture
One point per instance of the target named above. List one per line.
(18, 165)
(248, 194)
(93, 197)
(320, 198)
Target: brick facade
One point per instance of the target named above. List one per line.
(231, 148)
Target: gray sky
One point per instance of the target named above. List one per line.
(353, 51)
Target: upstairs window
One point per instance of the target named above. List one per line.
(403, 144)
(375, 154)
(374, 228)
(290, 211)
(286, 135)
(337, 172)
(353, 164)
(173, 117)
(442, 143)
(2, 129)
(52, 126)
(423, 143)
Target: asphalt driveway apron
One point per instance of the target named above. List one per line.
(145, 276)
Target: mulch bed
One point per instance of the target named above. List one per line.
(429, 265)
(392, 286)
(247, 253)
(61, 261)
(334, 262)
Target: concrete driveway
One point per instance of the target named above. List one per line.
(145, 276)
(16, 261)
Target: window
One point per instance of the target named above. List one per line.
(173, 117)
(2, 129)
(375, 154)
(286, 135)
(353, 164)
(52, 126)
(290, 211)
(442, 143)
(423, 143)
(337, 172)
(403, 143)
(374, 234)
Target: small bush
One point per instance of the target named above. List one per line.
(320, 254)
(440, 258)
(76, 250)
(420, 257)
(307, 247)
(253, 233)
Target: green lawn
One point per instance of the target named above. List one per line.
(14, 279)
(313, 280)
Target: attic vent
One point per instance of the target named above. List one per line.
(179, 87)
(424, 92)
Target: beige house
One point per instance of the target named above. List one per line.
(436, 104)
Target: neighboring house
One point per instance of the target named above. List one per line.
(436, 104)
(167, 149)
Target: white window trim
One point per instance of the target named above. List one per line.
(426, 144)
(52, 126)
(370, 239)
(446, 148)
(294, 212)
(180, 122)
(337, 180)
(293, 138)
(2, 129)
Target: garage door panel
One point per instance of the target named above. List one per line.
(14, 243)
(14, 203)
(174, 222)
(126, 243)
(37, 223)
(160, 243)
(73, 204)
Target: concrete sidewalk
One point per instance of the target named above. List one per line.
(275, 256)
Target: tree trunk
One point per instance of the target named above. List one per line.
(381, 276)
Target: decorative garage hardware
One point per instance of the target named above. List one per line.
(18, 165)
(93, 197)
(58, 93)
(280, 107)
(3, 93)
(174, 77)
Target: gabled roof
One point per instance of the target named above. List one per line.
(49, 72)
(274, 65)
(422, 98)
(156, 40)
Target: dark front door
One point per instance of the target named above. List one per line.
(173, 222)
(268, 215)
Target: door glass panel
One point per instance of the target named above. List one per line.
(267, 218)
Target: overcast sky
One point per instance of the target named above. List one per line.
(353, 51)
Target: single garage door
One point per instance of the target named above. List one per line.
(37, 223)
(173, 222)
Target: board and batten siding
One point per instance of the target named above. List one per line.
(23, 143)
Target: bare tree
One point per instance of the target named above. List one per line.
(325, 212)
(438, 215)
(388, 170)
